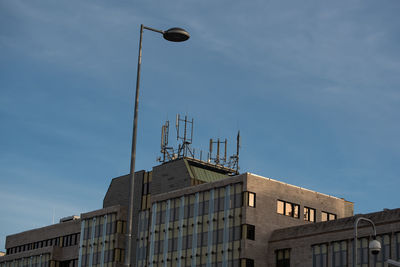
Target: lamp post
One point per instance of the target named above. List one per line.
(173, 35)
(374, 245)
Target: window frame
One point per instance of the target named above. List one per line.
(285, 261)
(254, 199)
(328, 216)
(343, 253)
(249, 228)
(323, 259)
(293, 208)
(307, 218)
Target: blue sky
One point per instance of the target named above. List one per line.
(313, 86)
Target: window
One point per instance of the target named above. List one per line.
(247, 263)
(339, 258)
(280, 207)
(384, 255)
(249, 231)
(309, 214)
(288, 209)
(283, 258)
(398, 245)
(326, 216)
(320, 255)
(362, 252)
(250, 199)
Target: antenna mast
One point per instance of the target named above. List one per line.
(184, 149)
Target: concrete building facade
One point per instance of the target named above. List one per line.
(192, 213)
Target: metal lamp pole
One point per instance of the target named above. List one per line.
(372, 244)
(173, 35)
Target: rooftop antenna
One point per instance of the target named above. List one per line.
(184, 149)
(166, 151)
(217, 159)
(234, 160)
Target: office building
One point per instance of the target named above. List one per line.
(192, 213)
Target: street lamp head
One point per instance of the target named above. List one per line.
(375, 247)
(176, 35)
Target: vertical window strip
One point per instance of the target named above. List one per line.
(103, 240)
(320, 255)
(362, 253)
(398, 245)
(152, 234)
(139, 236)
(226, 225)
(210, 227)
(139, 242)
(384, 254)
(194, 236)
(181, 213)
(92, 242)
(339, 255)
(167, 216)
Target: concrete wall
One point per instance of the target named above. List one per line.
(118, 191)
(170, 176)
(266, 219)
(44, 233)
(41, 234)
(300, 239)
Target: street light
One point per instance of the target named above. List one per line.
(173, 35)
(374, 245)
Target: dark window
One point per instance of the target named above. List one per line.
(320, 255)
(384, 254)
(247, 263)
(283, 258)
(238, 200)
(206, 207)
(362, 251)
(398, 245)
(309, 214)
(249, 231)
(339, 257)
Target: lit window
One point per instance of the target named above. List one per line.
(287, 208)
(252, 199)
(309, 214)
(280, 207)
(326, 216)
